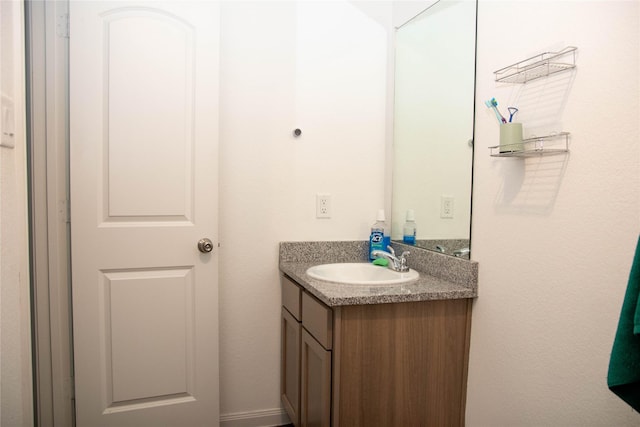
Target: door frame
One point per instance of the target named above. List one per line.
(47, 76)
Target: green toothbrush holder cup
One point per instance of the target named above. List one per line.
(511, 137)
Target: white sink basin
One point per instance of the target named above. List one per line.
(360, 274)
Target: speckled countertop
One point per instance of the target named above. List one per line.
(441, 276)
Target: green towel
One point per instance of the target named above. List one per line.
(624, 367)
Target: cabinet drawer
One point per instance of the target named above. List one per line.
(317, 318)
(291, 294)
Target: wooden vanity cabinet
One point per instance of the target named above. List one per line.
(387, 365)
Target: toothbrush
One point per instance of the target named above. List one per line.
(492, 103)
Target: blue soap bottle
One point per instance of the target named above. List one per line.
(379, 238)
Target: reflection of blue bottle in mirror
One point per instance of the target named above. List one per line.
(379, 238)
(409, 229)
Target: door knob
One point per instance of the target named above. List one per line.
(205, 245)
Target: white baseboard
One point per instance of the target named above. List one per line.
(264, 418)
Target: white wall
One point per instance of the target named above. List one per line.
(320, 67)
(555, 236)
(15, 344)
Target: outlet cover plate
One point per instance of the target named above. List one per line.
(323, 205)
(446, 207)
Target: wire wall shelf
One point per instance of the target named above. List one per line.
(538, 66)
(557, 143)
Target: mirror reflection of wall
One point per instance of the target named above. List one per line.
(433, 125)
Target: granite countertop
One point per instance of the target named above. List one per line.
(454, 280)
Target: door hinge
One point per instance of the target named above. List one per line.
(64, 211)
(70, 388)
(62, 26)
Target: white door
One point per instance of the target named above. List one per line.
(144, 129)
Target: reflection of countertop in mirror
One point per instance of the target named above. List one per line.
(447, 246)
(441, 276)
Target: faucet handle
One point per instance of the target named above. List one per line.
(403, 261)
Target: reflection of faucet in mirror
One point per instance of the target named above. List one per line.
(433, 122)
(464, 252)
(452, 247)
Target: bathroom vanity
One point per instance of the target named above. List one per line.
(354, 355)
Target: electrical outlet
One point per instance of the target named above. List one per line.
(323, 205)
(446, 207)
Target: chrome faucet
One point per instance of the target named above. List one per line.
(398, 264)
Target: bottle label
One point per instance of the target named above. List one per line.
(376, 243)
(409, 239)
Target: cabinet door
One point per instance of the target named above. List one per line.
(315, 406)
(290, 366)
(401, 364)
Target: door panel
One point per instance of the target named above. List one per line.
(143, 159)
(137, 356)
(138, 80)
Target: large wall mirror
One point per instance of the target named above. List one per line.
(433, 126)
